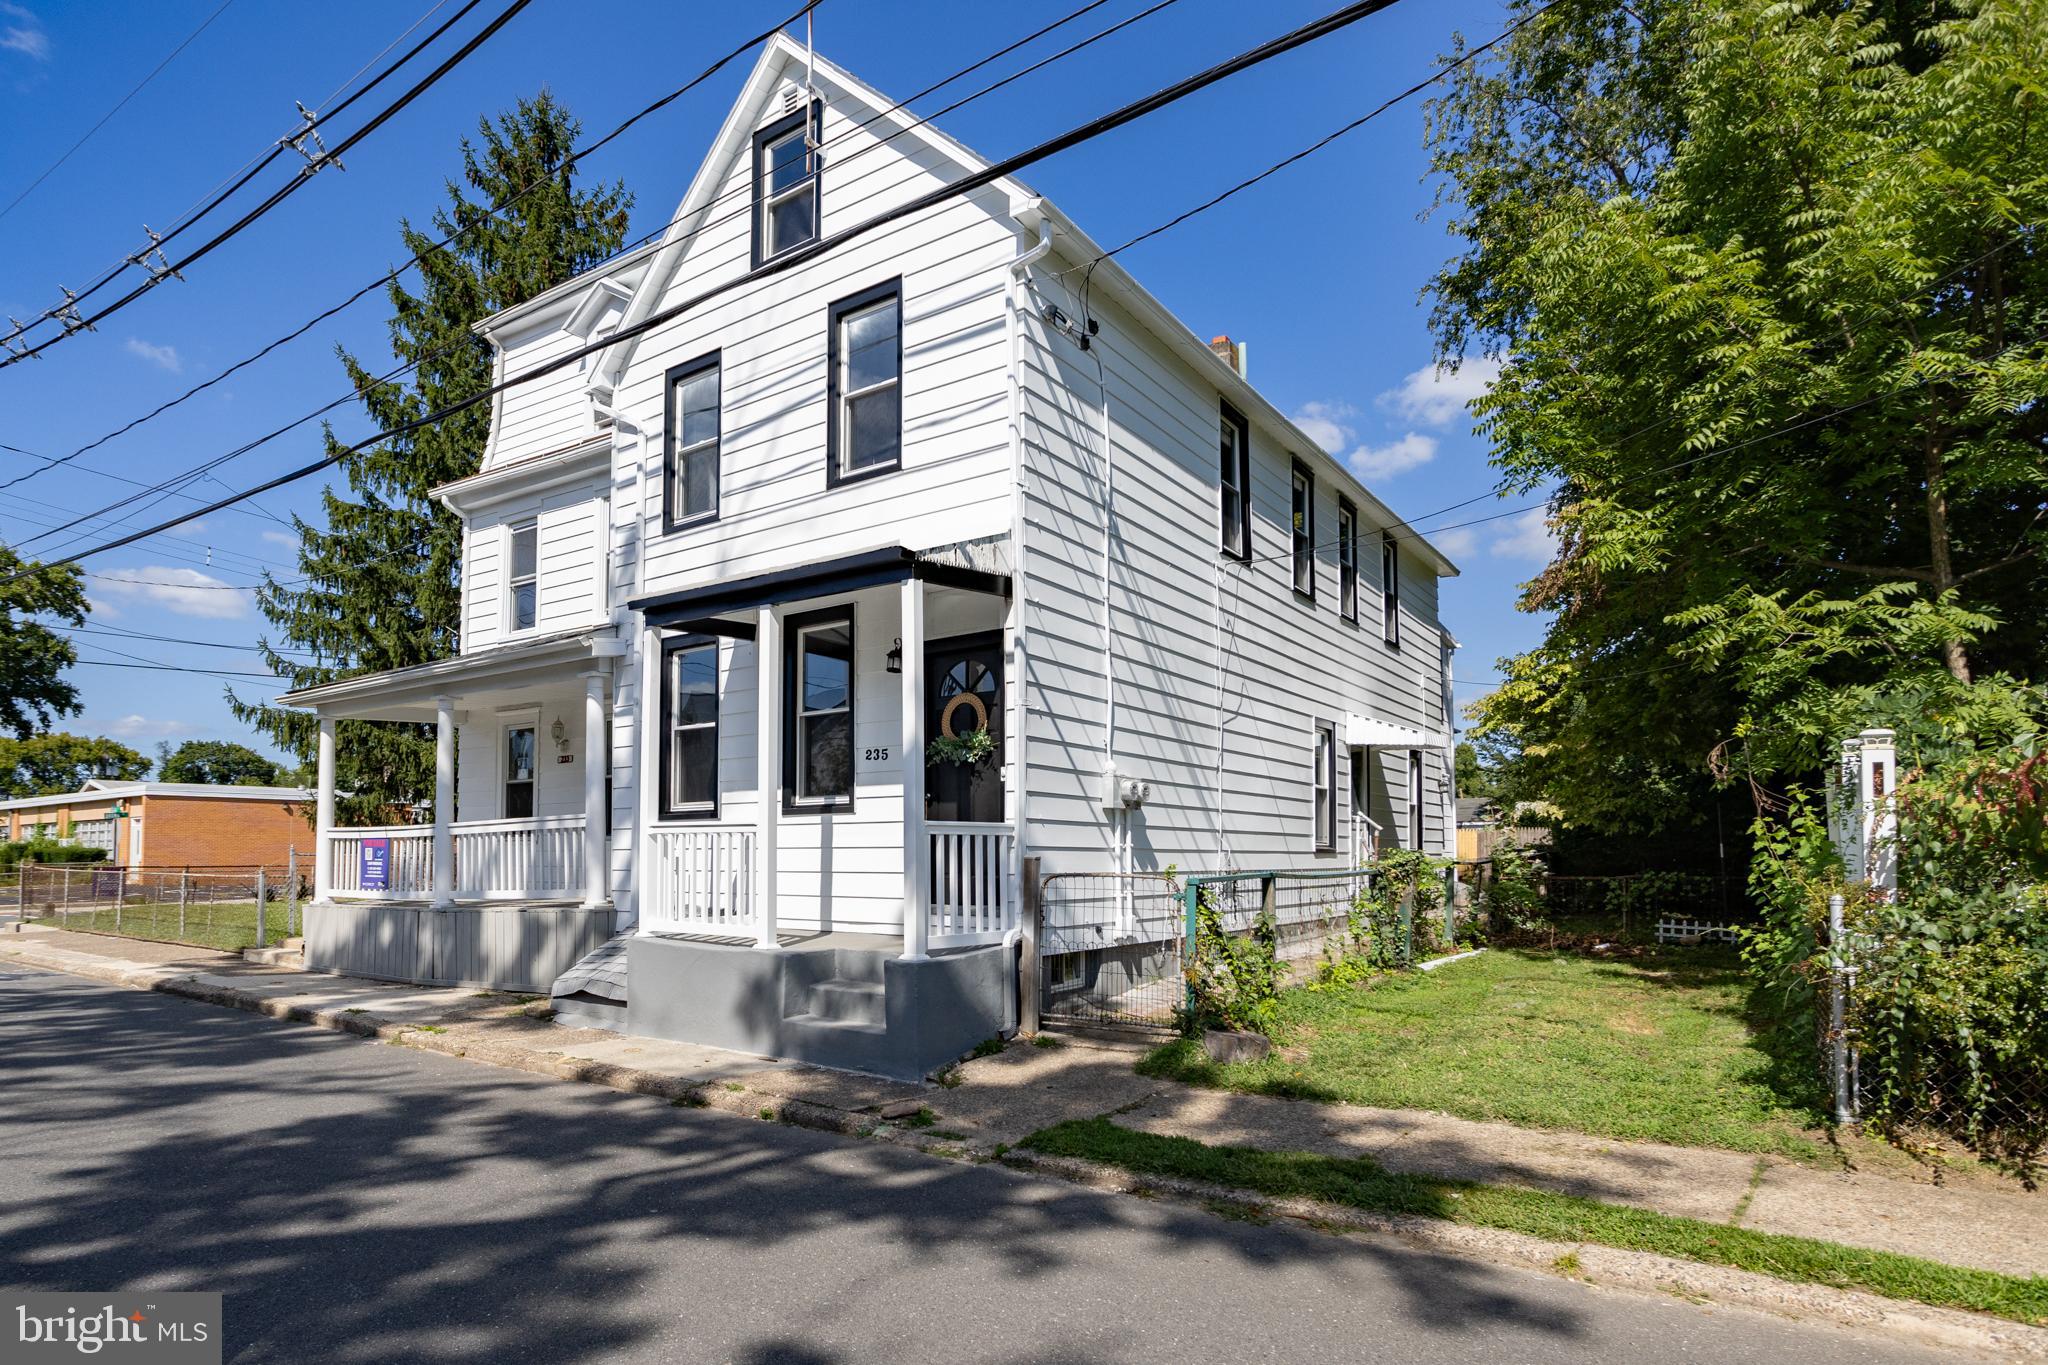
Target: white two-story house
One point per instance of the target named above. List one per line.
(793, 623)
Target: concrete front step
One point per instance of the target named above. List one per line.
(841, 1000)
(290, 953)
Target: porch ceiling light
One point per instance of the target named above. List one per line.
(896, 656)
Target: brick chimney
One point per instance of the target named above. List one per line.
(1231, 353)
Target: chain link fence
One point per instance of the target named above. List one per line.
(225, 908)
(1113, 947)
(1922, 1082)
(1634, 909)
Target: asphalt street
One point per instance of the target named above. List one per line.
(359, 1202)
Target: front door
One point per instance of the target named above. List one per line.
(964, 691)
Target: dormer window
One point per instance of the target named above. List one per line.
(786, 165)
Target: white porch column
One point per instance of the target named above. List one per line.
(768, 764)
(323, 815)
(444, 800)
(916, 858)
(596, 760)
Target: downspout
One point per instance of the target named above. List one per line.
(1019, 590)
(628, 906)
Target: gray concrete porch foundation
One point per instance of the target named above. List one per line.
(503, 945)
(839, 1000)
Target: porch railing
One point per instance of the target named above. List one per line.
(516, 859)
(408, 861)
(494, 859)
(973, 897)
(700, 880)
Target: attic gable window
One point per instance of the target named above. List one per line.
(786, 164)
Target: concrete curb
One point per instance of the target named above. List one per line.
(745, 1102)
(1947, 1328)
(1603, 1266)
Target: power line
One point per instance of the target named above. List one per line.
(73, 322)
(118, 634)
(119, 105)
(172, 668)
(646, 238)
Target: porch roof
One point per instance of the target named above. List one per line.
(409, 693)
(847, 573)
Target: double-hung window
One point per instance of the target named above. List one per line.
(1304, 519)
(786, 163)
(693, 434)
(866, 364)
(1347, 560)
(1234, 451)
(522, 592)
(689, 714)
(1326, 786)
(818, 748)
(1390, 590)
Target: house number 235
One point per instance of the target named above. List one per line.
(875, 755)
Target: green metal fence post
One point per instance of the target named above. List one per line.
(1408, 929)
(1193, 896)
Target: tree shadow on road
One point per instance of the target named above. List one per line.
(361, 1202)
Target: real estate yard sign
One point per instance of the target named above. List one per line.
(374, 864)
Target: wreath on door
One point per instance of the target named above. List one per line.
(955, 742)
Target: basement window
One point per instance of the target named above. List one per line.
(786, 164)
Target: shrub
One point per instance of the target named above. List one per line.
(16, 852)
(1234, 979)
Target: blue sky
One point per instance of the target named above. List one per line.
(1319, 269)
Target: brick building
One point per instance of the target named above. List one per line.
(170, 824)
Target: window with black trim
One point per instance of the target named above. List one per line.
(693, 438)
(522, 582)
(1304, 522)
(818, 711)
(1415, 798)
(689, 728)
(1347, 560)
(786, 165)
(1234, 450)
(865, 435)
(1390, 590)
(1326, 786)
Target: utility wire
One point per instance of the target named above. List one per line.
(74, 322)
(649, 237)
(119, 105)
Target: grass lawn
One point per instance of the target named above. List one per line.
(227, 925)
(1362, 1183)
(1655, 1047)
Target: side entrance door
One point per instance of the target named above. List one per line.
(964, 692)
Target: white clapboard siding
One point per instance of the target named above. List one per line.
(571, 583)
(1189, 633)
(543, 414)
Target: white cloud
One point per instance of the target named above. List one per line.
(1324, 424)
(1396, 457)
(1458, 542)
(187, 592)
(284, 538)
(165, 357)
(1527, 536)
(1435, 396)
(25, 35)
(142, 727)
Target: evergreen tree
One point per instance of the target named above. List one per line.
(381, 580)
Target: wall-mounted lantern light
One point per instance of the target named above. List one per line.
(896, 656)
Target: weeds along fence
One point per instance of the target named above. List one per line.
(227, 908)
(1634, 908)
(1899, 1052)
(1114, 949)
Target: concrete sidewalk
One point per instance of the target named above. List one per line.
(988, 1104)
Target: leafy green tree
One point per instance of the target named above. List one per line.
(218, 763)
(33, 657)
(46, 764)
(1472, 779)
(1770, 293)
(380, 587)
